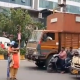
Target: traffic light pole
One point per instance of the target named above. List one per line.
(19, 38)
(19, 33)
(19, 51)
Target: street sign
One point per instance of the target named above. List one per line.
(19, 36)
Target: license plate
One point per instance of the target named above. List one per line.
(75, 72)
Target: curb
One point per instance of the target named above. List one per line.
(2, 57)
(6, 59)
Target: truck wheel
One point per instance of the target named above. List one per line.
(49, 68)
(39, 64)
(47, 61)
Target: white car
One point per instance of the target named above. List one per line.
(5, 41)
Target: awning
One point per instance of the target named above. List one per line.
(46, 11)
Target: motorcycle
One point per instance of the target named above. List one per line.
(53, 66)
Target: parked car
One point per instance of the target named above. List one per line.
(5, 41)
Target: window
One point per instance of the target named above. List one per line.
(42, 3)
(75, 0)
(73, 9)
(29, 2)
(48, 36)
(13, 0)
(50, 5)
(23, 1)
(47, 4)
(36, 35)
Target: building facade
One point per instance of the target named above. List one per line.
(34, 6)
(72, 6)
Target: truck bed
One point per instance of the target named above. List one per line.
(70, 40)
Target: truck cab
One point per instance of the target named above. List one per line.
(42, 45)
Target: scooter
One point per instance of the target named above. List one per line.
(75, 64)
(53, 66)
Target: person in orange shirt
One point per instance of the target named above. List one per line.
(12, 52)
(14, 67)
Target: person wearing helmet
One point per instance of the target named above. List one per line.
(10, 48)
(76, 53)
(70, 53)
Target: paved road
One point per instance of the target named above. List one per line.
(28, 71)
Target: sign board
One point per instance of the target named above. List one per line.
(19, 36)
(54, 20)
(77, 19)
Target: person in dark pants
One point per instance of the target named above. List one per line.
(70, 54)
(62, 57)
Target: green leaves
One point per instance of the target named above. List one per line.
(18, 16)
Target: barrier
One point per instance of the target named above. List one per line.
(22, 57)
(1, 57)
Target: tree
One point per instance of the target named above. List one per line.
(18, 16)
(22, 18)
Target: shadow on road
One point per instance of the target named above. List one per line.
(76, 78)
(35, 68)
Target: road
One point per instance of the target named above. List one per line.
(28, 71)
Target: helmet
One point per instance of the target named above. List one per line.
(76, 53)
(12, 43)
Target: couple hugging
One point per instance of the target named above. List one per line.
(13, 59)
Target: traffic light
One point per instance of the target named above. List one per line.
(26, 40)
(18, 28)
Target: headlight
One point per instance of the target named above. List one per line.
(35, 53)
(72, 65)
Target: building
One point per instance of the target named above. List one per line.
(73, 6)
(35, 6)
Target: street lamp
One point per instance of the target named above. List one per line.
(62, 5)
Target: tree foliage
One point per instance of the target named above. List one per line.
(8, 23)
